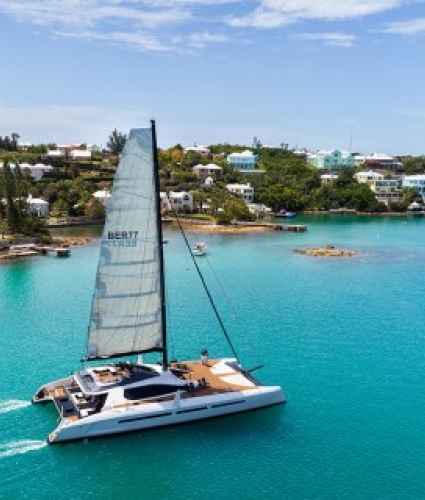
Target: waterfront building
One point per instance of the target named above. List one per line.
(245, 191)
(416, 182)
(242, 161)
(331, 160)
(178, 201)
(387, 190)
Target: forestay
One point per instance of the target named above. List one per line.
(126, 316)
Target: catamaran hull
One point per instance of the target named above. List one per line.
(155, 415)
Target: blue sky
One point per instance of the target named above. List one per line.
(319, 74)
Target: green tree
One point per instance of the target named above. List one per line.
(116, 142)
(96, 210)
(199, 198)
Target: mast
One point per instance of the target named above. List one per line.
(160, 244)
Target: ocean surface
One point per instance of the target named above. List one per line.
(345, 337)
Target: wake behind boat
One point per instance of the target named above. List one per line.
(128, 318)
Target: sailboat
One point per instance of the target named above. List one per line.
(128, 319)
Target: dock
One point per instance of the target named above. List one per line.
(293, 228)
(59, 251)
(31, 249)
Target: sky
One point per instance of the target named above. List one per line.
(313, 74)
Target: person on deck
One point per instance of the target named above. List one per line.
(204, 357)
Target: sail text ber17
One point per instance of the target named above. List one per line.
(125, 238)
(122, 235)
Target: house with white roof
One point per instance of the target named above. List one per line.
(36, 171)
(245, 191)
(385, 190)
(416, 182)
(37, 206)
(368, 177)
(242, 161)
(79, 154)
(200, 150)
(103, 196)
(55, 154)
(382, 160)
(203, 171)
(328, 178)
(24, 146)
(177, 201)
(331, 160)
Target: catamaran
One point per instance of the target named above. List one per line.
(128, 319)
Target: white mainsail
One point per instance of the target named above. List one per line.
(126, 316)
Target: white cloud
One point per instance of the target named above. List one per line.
(273, 13)
(158, 25)
(335, 39)
(135, 41)
(200, 40)
(85, 13)
(410, 27)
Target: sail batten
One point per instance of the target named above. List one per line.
(126, 314)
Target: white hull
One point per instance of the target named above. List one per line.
(178, 408)
(160, 415)
(199, 249)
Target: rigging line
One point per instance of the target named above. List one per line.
(230, 303)
(217, 315)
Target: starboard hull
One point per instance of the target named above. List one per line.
(126, 421)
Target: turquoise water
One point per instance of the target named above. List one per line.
(344, 337)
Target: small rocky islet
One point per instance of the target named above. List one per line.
(326, 251)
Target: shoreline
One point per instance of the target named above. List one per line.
(199, 227)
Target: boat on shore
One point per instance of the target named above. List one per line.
(128, 319)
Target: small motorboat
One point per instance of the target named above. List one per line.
(286, 214)
(199, 249)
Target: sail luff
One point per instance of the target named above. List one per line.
(127, 307)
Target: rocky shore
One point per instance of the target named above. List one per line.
(326, 251)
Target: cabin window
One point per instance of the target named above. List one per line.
(149, 391)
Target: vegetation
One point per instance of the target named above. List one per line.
(116, 142)
(14, 216)
(283, 180)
